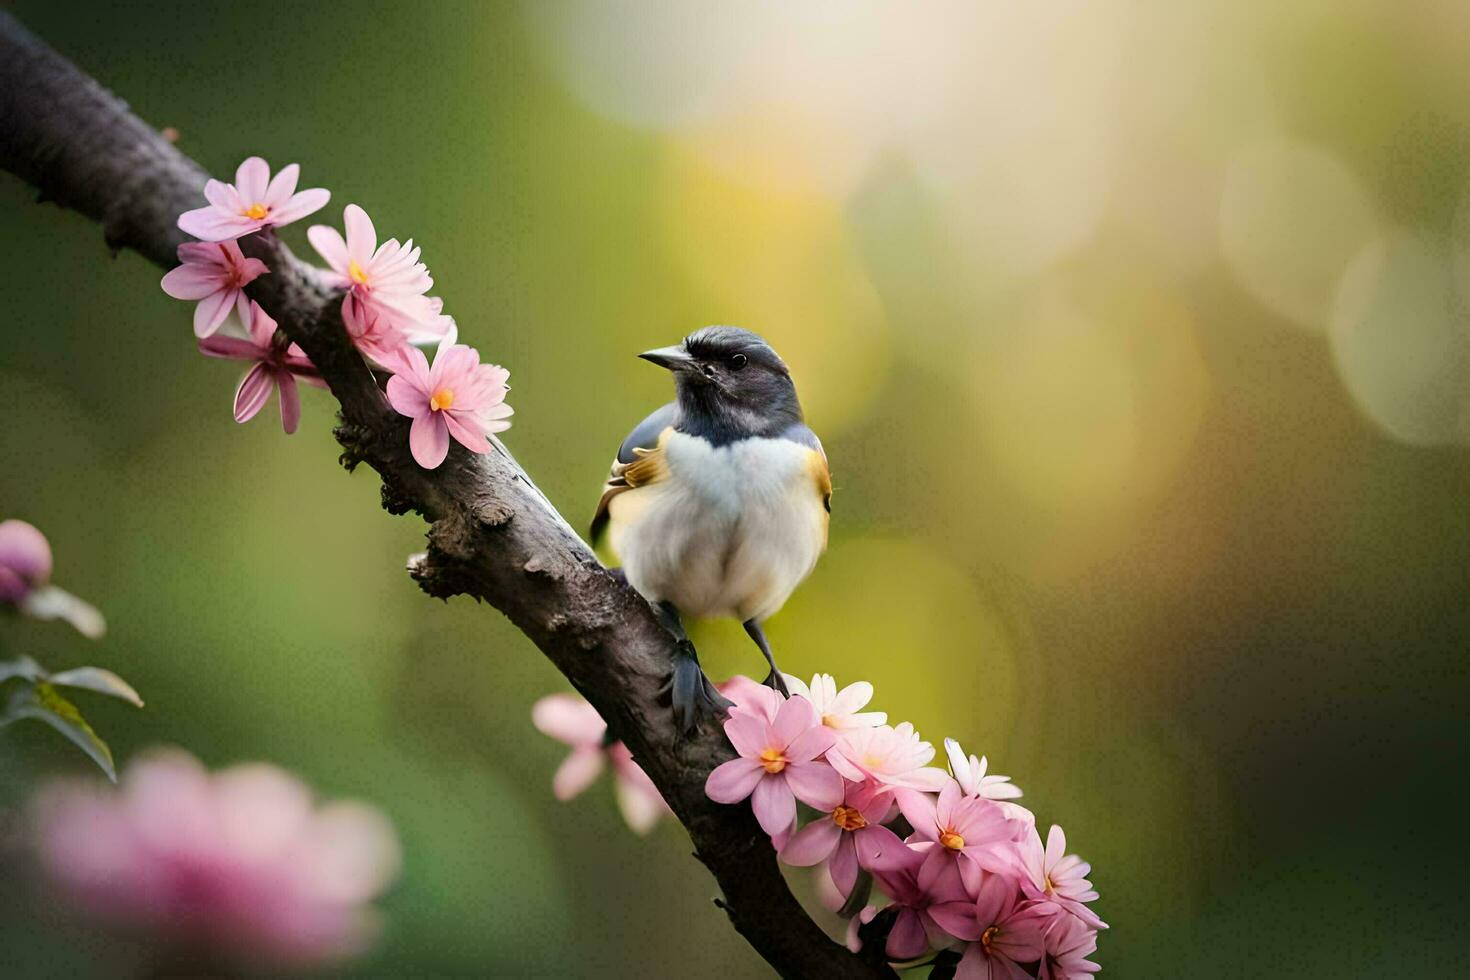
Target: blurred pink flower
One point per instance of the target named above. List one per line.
(969, 832)
(1068, 944)
(276, 365)
(25, 560)
(915, 929)
(839, 710)
(778, 764)
(888, 755)
(214, 273)
(385, 283)
(571, 720)
(1053, 875)
(241, 863)
(458, 396)
(1001, 932)
(25, 581)
(847, 833)
(254, 201)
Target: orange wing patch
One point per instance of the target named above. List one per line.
(648, 466)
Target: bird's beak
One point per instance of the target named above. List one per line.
(674, 358)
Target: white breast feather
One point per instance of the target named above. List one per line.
(731, 532)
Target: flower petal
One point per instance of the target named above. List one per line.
(641, 809)
(577, 772)
(254, 392)
(733, 781)
(812, 844)
(300, 205)
(212, 311)
(282, 186)
(567, 718)
(193, 281)
(815, 783)
(844, 866)
(251, 179)
(428, 440)
(879, 849)
(213, 225)
(957, 919)
(290, 397)
(775, 807)
(466, 435)
(330, 245)
(407, 398)
(362, 238)
(907, 938)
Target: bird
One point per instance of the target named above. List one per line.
(717, 504)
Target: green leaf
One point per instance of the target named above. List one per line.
(99, 680)
(42, 703)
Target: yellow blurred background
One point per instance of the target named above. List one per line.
(1138, 335)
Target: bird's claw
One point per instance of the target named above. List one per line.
(694, 698)
(777, 682)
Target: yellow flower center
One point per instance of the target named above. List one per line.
(988, 936)
(952, 840)
(848, 818)
(257, 211)
(773, 760)
(442, 399)
(355, 273)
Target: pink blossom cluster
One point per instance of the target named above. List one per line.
(385, 307)
(241, 865)
(572, 721)
(962, 865)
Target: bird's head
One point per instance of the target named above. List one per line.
(731, 378)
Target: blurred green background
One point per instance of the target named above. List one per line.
(1138, 334)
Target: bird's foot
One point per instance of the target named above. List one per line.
(777, 682)
(694, 698)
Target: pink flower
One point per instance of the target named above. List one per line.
(254, 201)
(1053, 875)
(969, 833)
(915, 929)
(1068, 944)
(458, 396)
(385, 283)
(214, 273)
(1001, 933)
(969, 772)
(891, 756)
(25, 581)
(242, 863)
(276, 364)
(839, 710)
(778, 765)
(848, 834)
(571, 720)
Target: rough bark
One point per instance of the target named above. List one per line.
(493, 535)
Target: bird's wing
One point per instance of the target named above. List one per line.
(821, 472)
(639, 461)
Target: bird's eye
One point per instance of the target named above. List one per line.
(738, 361)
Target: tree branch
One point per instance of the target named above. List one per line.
(493, 535)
